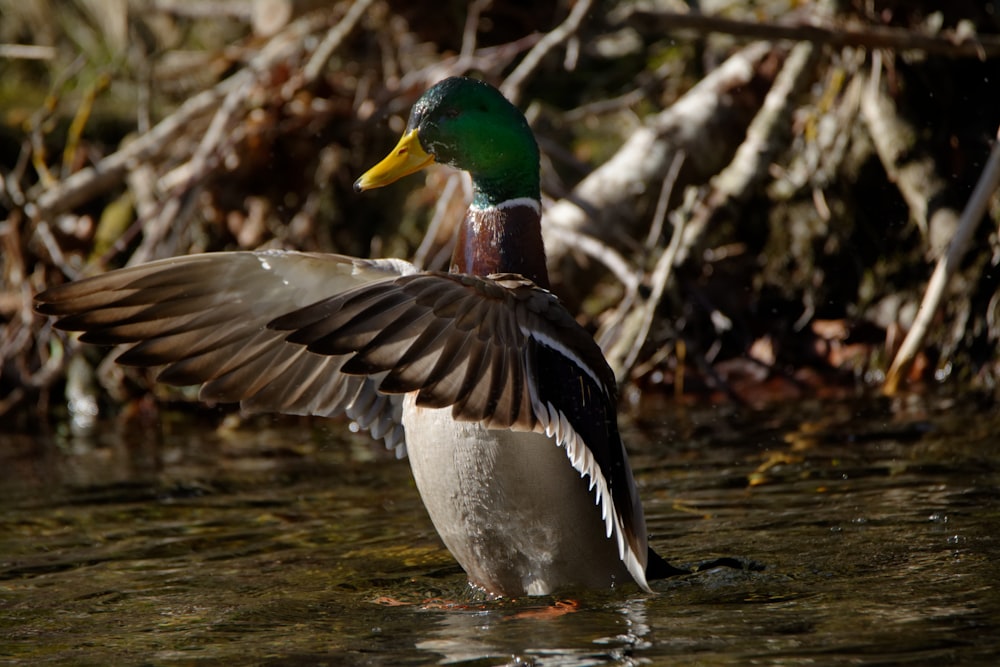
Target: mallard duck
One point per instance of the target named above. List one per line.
(504, 405)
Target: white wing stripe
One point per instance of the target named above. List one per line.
(558, 427)
(553, 344)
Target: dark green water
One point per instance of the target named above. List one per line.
(877, 523)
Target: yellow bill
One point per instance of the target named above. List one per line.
(406, 158)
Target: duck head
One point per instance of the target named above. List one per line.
(469, 125)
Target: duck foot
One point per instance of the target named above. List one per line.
(554, 610)
(387, 601)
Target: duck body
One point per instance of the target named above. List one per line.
(541, 535)
(505, 406)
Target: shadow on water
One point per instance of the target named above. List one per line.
(877, 525)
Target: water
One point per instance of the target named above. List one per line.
(174, 541)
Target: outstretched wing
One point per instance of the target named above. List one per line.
(323, 334)
(498, 350)
(204, 318)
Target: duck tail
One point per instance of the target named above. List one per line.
(658, 568)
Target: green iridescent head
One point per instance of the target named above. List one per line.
(469, 125)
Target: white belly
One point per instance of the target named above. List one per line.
(509, 506)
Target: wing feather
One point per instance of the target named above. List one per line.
(499, 351)
(203, 319)
(312, 334)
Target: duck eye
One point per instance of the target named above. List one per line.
(452, 113)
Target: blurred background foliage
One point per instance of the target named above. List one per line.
(137, 129)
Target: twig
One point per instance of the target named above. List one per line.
(988, 182)
(212, 9)
(44, 234)
(914, 172)
(656, 228)
(625, 327)
(511, 87)
(607, 105)
(661, 274)
(871, 37)
(27, 52)
(489, 59)
(603, 253)
(440, 214)
(471, 29)
(76, 127)
(11, 192)
(333, 39)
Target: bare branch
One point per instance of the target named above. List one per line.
(749, 166)
(27, 52)
(988, 182)
(333, 39)
(512, 86)
(606, 199)
(914, 172)
(110, 171)
(659, 279)
(870, 37)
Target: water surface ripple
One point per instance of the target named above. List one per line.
(875, 525)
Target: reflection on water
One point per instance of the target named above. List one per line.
(287, 541)
(567, 640)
